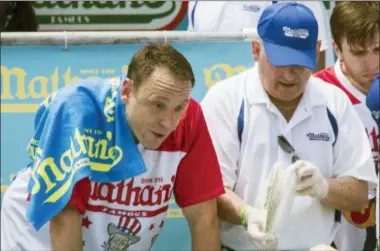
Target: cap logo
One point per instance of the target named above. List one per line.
(251, 7)
(296, 33)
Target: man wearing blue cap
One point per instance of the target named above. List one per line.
(277, 116)
(235, 16)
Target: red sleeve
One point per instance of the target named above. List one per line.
(198, 176)
(81, 194)
(325, 74)
(79, 197)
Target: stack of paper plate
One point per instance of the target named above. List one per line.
(279, 198)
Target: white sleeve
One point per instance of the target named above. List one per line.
(222, 124)
(321, 15)
(206, 16)
(190, 8)
(352, 150)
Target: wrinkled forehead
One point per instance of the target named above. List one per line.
(163, 75)
(164, 82)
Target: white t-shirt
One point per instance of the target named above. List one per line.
(234, 16)
(129, 214)
(350, 236)
(245, 166)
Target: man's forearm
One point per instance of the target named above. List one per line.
(207, 237)
(66, 231)
(346, 194)
(203, 224)
(230, 207)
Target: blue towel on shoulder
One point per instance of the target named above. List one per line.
(80, 131)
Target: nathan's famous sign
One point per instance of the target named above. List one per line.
(23, 91)
(109, 15)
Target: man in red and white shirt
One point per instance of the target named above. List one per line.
(174, 142)
(355, 31)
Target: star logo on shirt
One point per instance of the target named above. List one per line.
(151, 227)
(86, 222)
(161, 224)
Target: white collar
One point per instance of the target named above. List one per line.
(347, 83)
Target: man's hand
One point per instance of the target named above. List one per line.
(203, 223)
(254, 220)
(322, 248)
(310, 181)
(231, 208)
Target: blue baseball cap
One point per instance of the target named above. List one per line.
(290, 34)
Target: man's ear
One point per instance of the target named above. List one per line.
(256, 49)
(336, 50)
(126, 90)
(319, 44)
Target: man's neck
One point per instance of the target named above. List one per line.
(285, 104)
(353, 82)
(286, 107)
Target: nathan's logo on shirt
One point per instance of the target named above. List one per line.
(296, 33)
(129, 194)
(251, 7)
(318, 136)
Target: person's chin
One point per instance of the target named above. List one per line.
(288, 98)
(286, 94)
(294, 94)
(153, 144)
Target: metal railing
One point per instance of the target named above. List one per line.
(119, 37)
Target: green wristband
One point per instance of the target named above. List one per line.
(243, 218)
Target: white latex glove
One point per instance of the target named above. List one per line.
(322, 248)
(310, 181)
(256, 224)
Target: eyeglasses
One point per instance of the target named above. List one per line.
(287, 147)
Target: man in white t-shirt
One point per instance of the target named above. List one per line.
(357, 44)
(234, 16)
(249, 116)
(107, 156)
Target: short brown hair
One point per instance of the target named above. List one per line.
(154, 55)
(358, 22)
